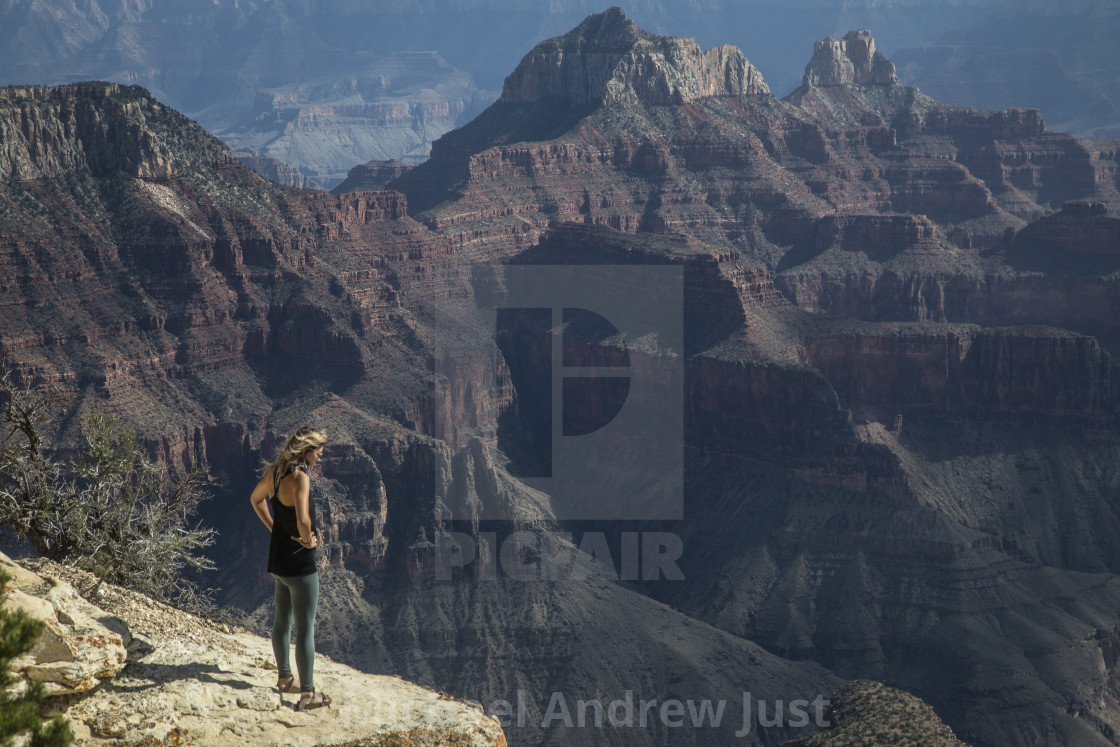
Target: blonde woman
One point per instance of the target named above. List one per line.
(286, 488)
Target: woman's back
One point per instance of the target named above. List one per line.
(286, 556)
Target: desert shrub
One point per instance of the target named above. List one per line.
(108, 507)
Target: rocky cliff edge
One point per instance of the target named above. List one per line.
(130, 671)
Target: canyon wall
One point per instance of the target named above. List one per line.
(898, 400)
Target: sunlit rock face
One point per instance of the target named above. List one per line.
(852, 59)
(608, 58)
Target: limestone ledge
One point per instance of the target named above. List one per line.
(189, 681)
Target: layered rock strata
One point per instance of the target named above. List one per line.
(608, 58)
(389, 108)
(276, 170)
(897, 417)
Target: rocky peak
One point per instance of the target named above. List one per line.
(608, 58)
(102, 128)
(852, 59)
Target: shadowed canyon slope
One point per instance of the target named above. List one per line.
(899, 407)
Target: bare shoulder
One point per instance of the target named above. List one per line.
(263, 489)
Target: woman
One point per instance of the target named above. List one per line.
(291, 559)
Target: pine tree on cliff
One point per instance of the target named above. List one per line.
(19, 712)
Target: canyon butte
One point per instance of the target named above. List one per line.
(900, 417)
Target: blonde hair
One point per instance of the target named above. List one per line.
(295, 449)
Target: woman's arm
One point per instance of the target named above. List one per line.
(259, 499)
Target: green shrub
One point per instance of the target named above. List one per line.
(110, 509)
(19, 712)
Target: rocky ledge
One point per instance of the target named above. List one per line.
(140, 672)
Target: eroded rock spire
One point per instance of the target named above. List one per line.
(852, 59)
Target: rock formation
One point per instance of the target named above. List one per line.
(320, 86)
(75, 651)
(371, 176)
(853, 59)
(191, 681)
(1048, 55)
(608, 58)
(870, 201)
(897, 417)
(275, 170)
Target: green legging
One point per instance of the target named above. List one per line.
(298, 597)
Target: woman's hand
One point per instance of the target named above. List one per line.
(309, 544)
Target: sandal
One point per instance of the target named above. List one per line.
(286, 683)
(309, 700)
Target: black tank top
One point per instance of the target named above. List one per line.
(286, 557)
